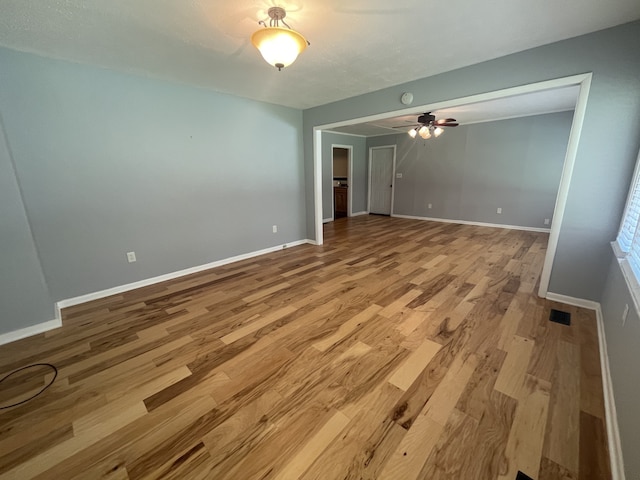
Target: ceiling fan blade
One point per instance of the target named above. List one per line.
(445, 120)
(448, 124)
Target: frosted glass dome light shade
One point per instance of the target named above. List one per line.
(279, 46)
(424, 132)
(412, 133)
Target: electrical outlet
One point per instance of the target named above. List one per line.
(430, 206)
(625, 313)
(398, 175)
(131, 257)
(499, 210)
(275, 229)
(546, 221)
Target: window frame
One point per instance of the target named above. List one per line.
(631, 274)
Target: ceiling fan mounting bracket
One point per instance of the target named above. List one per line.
(426, 118)
(277, 13)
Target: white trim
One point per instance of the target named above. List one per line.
(70, 302)
(583, 79)
(629, 277)
(350, 181)
(359, 213)
(29, 331)
(349, 149)
(327, 220)
(611, 417)
(481, 97)
(576, 302)
(565, 183)
(396, 131)
(634, 180)
(478, 224)
(317, 183)
(511, 117)
(348, 134)
(393, 178)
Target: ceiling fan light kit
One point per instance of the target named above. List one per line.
(429, 127)
(278, 45)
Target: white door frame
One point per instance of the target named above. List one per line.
(349, 149)
(583, 80)
(393, 176)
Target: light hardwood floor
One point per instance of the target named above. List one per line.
(400, 349)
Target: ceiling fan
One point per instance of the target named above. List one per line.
(428, 126)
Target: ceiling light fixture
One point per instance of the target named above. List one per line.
(279, 46)
(429, 127)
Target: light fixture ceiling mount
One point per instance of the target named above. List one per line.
(278, 45)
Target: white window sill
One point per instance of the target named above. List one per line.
(632, 282)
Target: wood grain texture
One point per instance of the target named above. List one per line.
(399, 349)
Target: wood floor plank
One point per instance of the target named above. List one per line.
(524, 446)
(446, 460)
(514, 368)
(314, 447)
(415, 447)
(257, 325)
(411, 368)
(398, 349)
(347, 327)
(563, 427)
(593, 460)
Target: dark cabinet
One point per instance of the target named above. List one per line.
(340, 199)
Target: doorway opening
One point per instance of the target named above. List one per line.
(584, 83)
(341, 167)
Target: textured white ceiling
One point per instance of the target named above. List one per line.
(356, 47)
(534, 103)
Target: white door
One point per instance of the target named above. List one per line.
(381, 179)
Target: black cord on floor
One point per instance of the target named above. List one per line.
(55, 374)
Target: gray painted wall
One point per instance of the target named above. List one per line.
(358, 180)
(622, 344)
(606, 151)
(24, 298)
(470, 171)
(111, 163)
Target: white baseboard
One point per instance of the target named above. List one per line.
(576, 302)
(70, 302)
(355, 214)
(327, 220)
(477, 224)
(29, 331)
(611, 417)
